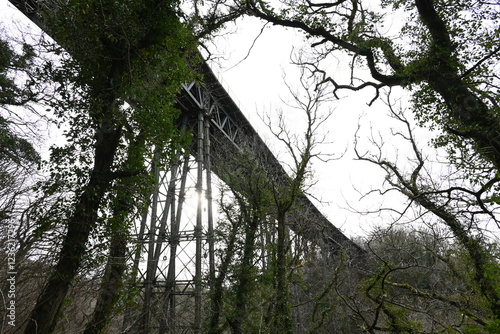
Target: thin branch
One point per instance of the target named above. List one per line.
(251, 47)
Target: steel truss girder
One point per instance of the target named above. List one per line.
(201, 99)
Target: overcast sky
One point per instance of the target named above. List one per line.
(257, 84)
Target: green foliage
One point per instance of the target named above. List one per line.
(423, 283)
(124, 67)
(14, 148)
(14, 63)
(493, 326)
(19, 160)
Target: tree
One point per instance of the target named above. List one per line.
(129, 197)
(17, 155)
(264, 206)
(417, 284)
(18, 158)
(108, 42)
(122, 65)
(464, 209)
(245, 203)
(445, 54)
(286, 192)
(19, 161)
(11, 62)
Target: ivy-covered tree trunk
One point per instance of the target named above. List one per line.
(482, 261)
(245, 275)
(140, 52)
(217, 297)
(283, 316)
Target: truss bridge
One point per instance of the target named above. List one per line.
(175, 257)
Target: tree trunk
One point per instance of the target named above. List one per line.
(481, 258)
(244, 286)
(283, 317)
(466, 109)
(44, 316)
(112, 284)
(112, 280)
(218, 293)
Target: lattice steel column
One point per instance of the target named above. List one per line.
(168, 319)
(198, 233)
(210, 236)
(175, 239)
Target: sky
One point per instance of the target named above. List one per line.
(254, 73)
